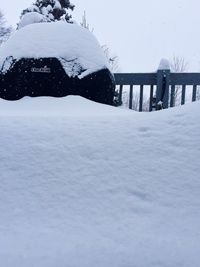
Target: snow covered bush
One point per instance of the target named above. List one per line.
(46, 11)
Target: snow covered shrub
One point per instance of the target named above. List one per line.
(46, 11)
(55, 59)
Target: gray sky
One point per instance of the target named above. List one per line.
(139, 32)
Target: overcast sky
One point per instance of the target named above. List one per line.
(139, 32)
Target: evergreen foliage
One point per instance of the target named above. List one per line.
(51, 10)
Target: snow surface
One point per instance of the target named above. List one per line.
(69, 42)
(85, 184)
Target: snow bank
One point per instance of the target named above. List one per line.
(83, 184)
(65, 41)
(57, 107)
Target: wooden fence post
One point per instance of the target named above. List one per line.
(162, 92)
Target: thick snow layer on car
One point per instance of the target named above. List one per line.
(84, 184)
(69, 42)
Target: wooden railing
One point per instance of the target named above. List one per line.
(162, 87)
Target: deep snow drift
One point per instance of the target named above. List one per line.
(83, 184)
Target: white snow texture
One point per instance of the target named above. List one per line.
(31, 18)
(65, 41)
(84, 184)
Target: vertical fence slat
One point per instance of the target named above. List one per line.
(166, 89)
(141, 97)
(172, 98)
(120, 93)
(194, 93)
(131, 97)
(183, 94)
(151, 98)
(162, 92)
(159, 89)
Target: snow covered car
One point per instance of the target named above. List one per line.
(55, 59)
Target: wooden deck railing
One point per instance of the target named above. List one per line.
(162, 88)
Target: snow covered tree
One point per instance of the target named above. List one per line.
(46, 11)
(5, 31)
